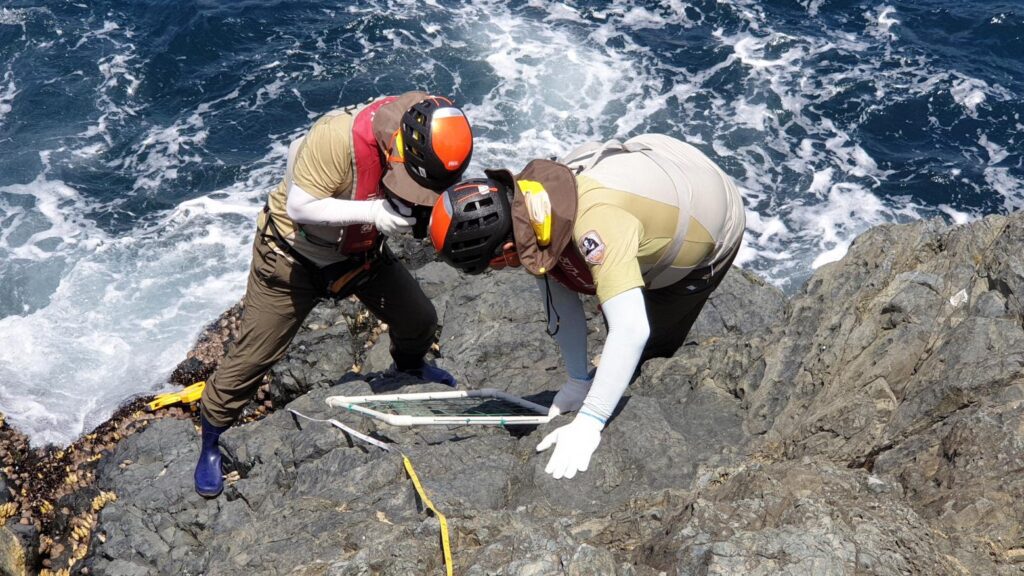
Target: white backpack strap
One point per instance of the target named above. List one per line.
(352, 109)
(293, 148)
(683, 224)
(293, 151)
(588, 155)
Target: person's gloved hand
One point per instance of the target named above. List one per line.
(574, 445)
(432, 373)
(570, 397)
(388, 220)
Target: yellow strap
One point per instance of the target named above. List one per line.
(445, 546)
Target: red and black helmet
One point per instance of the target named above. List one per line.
(437, 142)
(470, 222)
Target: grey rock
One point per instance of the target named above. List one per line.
(327, 347)
(378, 358)
(742, 304)
(797, 518)
(870, 424)
(589, 560)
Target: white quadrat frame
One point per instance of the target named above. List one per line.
(358, 404)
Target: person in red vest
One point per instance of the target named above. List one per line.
(650, 225)
(358, 175)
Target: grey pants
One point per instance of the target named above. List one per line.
(279, 296)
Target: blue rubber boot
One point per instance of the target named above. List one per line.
(432, 373)
(209, 478)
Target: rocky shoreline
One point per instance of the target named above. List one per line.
(869, 424)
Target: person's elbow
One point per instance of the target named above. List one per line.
(292, 213)
(299, 204)
(638, 330)
(627, 317)
(293, 209)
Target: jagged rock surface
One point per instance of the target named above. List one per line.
(871, 424)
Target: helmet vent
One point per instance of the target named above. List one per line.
(467, 225)
(470, 244)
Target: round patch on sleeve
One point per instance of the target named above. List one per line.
(592, 248)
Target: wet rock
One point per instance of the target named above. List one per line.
(18, 548)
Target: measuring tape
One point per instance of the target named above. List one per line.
(446, 548)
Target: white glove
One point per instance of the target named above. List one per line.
(388, 220)
(574, 444)
(570, 397)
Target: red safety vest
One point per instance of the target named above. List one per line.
(369, 165)
(572, 271)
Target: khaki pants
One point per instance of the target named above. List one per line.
(672, 310)
(279, 296)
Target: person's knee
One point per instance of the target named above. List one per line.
(428, 315)
(417, 323)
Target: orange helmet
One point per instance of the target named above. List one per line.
(437, 142)
(470, 223)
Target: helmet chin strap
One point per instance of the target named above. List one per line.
(509, 257)
(549, 308)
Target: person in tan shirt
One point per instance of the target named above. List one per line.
(651, 226)
(358, 175)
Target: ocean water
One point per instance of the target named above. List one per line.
(139, 139)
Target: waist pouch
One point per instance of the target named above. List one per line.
(341, 279)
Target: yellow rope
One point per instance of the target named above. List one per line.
(445, 546)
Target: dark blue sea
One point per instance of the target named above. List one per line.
(138, 139)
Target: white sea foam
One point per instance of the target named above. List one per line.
(14, 16)
(882, 20)
(555, 77)
(125, 309)
(996, 153)
(850, 209)
(121, 76)
(957, 216)
(7, 93)
(124, 312)
(812, 6)
(640, 17)
(52, 224)
(559, 12)
(969, 93)
(1010, 187)
(164, 149)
